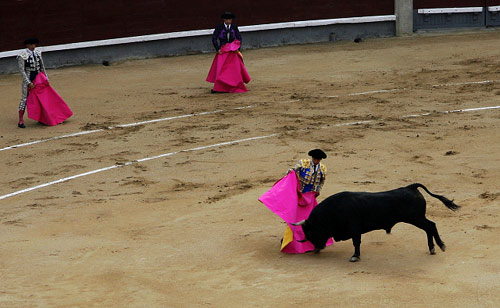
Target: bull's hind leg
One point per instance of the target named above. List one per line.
(422, 224)
(432, 226)
(430, 229)
(356, 241)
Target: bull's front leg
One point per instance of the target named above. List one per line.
(356, 241)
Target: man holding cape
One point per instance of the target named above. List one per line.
(294, 197)
(228, 73)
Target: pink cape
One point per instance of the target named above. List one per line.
(285, 200)
(228, 73)
(44, 104)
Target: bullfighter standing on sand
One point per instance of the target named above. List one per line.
(43, 103)
(311, 172)
(294, 197)
(30, 64)
(228, 72)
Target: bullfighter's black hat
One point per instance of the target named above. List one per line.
(317, 153)
(31, 40)
(228, 15)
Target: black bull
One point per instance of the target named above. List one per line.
(347, 215)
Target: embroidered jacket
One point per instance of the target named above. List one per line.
(223, 35)
(30, 64)
(310, 179)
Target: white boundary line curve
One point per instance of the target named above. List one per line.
(224, 144)
(464, 83)
(367, 92)
(133, 162)
(118, 126)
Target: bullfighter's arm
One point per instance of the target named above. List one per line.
(323, 178)
(215, 37)
(297, 167)
(20, 62)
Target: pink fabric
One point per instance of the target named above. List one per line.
(228, 73)
(285, 200)
(45, 105)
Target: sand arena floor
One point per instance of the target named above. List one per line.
(186, 229)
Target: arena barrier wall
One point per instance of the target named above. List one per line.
(436, 14)
(199, 41)
(493, 16)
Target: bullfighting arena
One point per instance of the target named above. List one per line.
(154, 202)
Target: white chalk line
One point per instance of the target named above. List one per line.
(224, 144)
(50, 139)
(464, 83)
(450, 111)
(133, 162)
(57, 181)
(415, 116)
(472, 109)
(373, 92)
(291, 101)
(366, 93)
(348, 124)
(401, 89)
(118, 126)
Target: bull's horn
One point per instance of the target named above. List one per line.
(300, 223)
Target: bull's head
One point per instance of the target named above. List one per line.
(301, 223)
(310, 235)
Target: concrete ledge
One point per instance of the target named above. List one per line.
(493, 16)
(453, 10)
(472, 17)
(183, 43)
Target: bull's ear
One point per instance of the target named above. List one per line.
(300, 223)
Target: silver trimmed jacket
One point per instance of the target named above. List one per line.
(30, 64)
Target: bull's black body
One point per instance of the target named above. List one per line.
(347, 215)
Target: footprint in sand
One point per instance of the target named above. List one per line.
(22, 182)
(16, 222)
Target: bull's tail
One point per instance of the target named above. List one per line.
(449, 203)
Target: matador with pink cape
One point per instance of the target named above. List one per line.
(294, 197)
(228, 72)
(42, 101)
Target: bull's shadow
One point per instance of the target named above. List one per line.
(384, 255)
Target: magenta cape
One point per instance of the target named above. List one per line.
(44, 104)
(285, 200)
(228, 73)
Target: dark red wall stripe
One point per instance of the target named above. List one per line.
(63, 21)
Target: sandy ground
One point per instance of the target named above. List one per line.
(186, 230)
